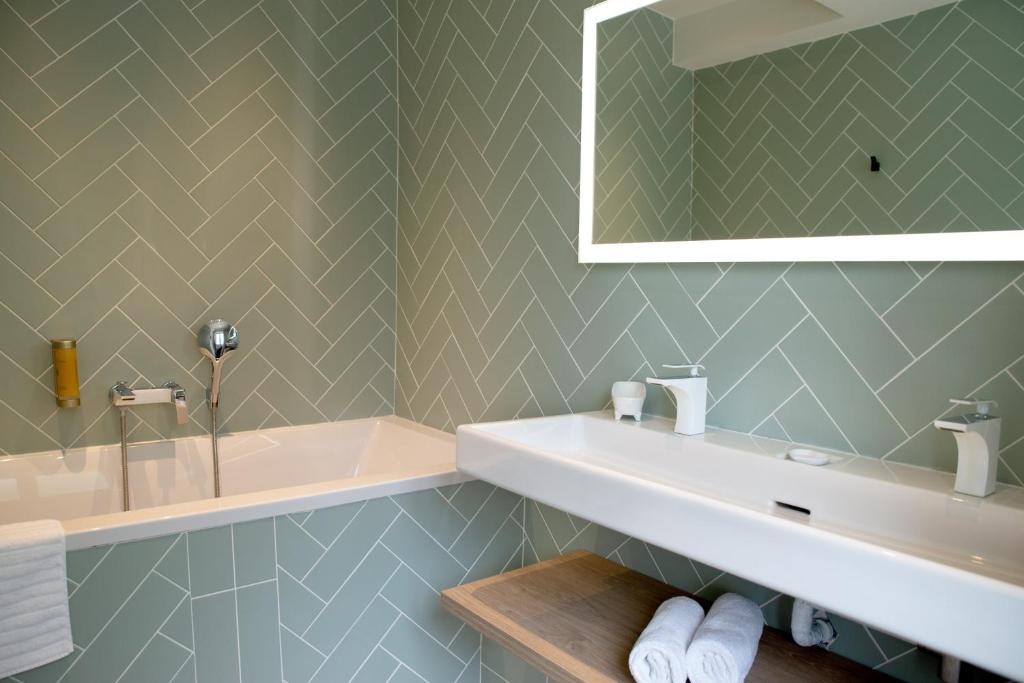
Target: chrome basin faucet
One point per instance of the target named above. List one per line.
(977, 443)
(691, 394)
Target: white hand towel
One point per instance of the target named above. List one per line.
(35, 625)
(659, 654)
(723, 649)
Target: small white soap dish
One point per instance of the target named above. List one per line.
(628, 399)
(807, 456)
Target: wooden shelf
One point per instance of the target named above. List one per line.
(576, 618)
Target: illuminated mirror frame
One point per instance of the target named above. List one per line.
(1005, 245)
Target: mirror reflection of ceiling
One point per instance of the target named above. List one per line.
(780, 144)
(711, 32)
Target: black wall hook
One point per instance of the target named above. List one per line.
(876, 165)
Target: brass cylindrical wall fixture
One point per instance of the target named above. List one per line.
(65, 372)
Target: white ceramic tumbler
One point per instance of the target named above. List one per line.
(628, 399)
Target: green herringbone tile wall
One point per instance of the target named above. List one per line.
(165, 161)
(340, 594)
(644, 154)
(782, 141)
(496, 319)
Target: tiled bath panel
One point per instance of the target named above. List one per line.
(351, 593)
(347, 593)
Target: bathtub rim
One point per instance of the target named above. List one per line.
(137, 525)
(134, 525)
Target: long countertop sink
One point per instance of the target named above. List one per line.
(886, 544)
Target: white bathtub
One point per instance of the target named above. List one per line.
(263, 473)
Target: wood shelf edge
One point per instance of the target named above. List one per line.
(460, 602)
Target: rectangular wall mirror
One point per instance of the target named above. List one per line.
(802, 130)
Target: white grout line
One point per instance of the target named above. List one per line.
(356, 620)
(769, 287)
(82, 240)
(232, 589)
(190, 658)
(890, 660)
(773, 415)
(234, 599)
(849, 362)
(977, 310)
(499, 527)
(94, 567)
(168, 580)
(157, 633)
(121, 606)
(379, 644)
(872, 309)
(305, 642)
(820, 404)
(191, 611)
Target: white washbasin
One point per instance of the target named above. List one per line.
(889, 545)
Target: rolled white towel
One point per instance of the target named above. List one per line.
(723, 649)
(659, 654)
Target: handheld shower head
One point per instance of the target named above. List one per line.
(217, 340)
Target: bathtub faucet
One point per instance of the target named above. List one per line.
(123, 397)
